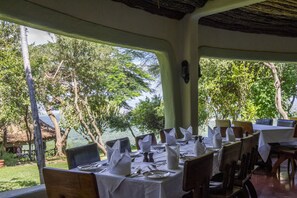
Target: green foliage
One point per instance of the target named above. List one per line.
(148, 115)
(13, 90)
(243, 90)
(10, 159)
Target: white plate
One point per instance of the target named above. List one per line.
(135, 154)
(156, 174)
(90, 167)
(158, 146)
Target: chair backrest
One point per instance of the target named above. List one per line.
(162, 134)
(223, 123)
(68, 184)
(286, 123)
(137, 138)
(247, 126)
(264, 121)
(82, 155)
(124, 144)
(254, 155)
(197, 173)
(238, 131)
(295, 131)
(229, 159)
(245, 156)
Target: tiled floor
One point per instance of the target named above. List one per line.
(269, 186)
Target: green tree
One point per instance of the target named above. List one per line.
(90, 83)
(148, 115)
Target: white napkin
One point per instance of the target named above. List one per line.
(199, 148)
(211, 132)
(145, 143)
(120, 163)
(110, 150)
(187, 133)
(170, 137)
(172, 156)
(230, 137)
(217, 139)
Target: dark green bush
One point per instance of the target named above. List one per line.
(10, 159)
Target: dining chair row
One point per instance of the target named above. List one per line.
(236, 167)
(245, 125)
(89, 153)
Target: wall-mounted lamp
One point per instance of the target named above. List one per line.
(185, 71)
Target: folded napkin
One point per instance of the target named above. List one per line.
(230, 137)
(172, 153)
(145, 144)
(110, 150)
(217, 139)
(187, 133)
(170, 137)
(120, 163)
(199, 148)
(211, 133)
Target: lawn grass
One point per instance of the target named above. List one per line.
(22, 176)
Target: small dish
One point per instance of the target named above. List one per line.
(158, 146)
(156, 174)
(90, 167)
(185, 158)
(135, 154)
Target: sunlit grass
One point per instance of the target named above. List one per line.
(22, 176)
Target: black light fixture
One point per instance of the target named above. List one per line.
(185, 71)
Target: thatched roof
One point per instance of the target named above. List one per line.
(175, 9)
(276, 17)
(17, 136)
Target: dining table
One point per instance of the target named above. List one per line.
(138, 184)
(272, 134)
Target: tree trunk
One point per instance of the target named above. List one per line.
(37, 129)
(29, 134)
(59, 144)
(278, 90)
(99, 142)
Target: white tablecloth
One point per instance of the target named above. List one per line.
(272, 134)
(171, 187)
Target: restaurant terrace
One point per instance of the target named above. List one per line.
(179, 32)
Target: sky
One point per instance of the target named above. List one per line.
(38, 37)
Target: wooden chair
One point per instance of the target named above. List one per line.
(247, 126)
(287, 152)
(264, 121)
(242, 176)
(140, 137)
(286, 123)
(223, 123)
(238, 131)
(225, 187)
(162, 134)
(124, 144)
(82, 155)
(69, 184)
(196, 176)
(252, 165)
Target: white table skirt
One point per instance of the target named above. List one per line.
(272, 134)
